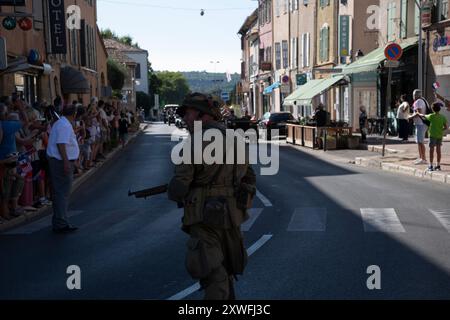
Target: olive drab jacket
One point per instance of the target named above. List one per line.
(192, 184)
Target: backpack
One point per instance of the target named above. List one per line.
(428, 109)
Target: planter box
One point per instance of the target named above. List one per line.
(331, 144)
(353, 142)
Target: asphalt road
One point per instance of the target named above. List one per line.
(316, 227)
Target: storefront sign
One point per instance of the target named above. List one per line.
(441, 43)
(9, 23)
(57, 26)
(301, 79)
(344, 30)
(266, 66)
(25, 24)
(426, 14)
(16, 3)
(3, 54)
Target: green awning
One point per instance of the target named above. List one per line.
(372, 61)
(294, 96)
(319, 88)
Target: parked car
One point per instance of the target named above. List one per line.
(275, 120)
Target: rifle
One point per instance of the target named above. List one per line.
(152, 192)
(149, 192)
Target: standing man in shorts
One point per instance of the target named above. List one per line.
(420, 108)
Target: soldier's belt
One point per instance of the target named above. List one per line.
(220, 191)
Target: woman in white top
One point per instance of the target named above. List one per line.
(402, 116)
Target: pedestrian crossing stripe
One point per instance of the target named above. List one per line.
(308, 219)
(381, 220)
(443, 216)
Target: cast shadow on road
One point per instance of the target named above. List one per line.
(333, 263)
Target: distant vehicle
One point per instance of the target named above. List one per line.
(179, 123)
(275, 120)
(169, 113)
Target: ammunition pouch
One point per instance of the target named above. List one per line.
(244, 196)
(235, 253)
(216, 213)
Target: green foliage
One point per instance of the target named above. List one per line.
(117, 94)
(109, 34)
(202, 81)
(116, 74)
(143, 100)
(173, 87)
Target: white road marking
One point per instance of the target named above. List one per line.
(254, 214)
(38, 225)
(381, 220)
(263, 199)
(443, 216)
(308, 219)
(195, 287)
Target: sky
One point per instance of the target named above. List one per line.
(176, 36)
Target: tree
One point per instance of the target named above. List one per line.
(174, 87)
(116, 74)
(143, 100)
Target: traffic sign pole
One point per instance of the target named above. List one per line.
(388, 103)
(392, 52)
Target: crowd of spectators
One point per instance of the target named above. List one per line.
(24, 133)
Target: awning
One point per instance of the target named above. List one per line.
(270, 88)
(321, 87)
(311, 89)
(372, 60)
(294, 96)
(73, 81)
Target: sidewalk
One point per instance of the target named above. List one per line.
(400, 157)
(46, 210)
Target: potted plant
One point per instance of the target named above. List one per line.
(331, 143)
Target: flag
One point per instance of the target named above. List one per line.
(228, 76)
(436, 85)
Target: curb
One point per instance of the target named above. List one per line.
(404, 170)
(44, 211)
(378, 149)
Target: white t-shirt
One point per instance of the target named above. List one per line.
(403, 111)
(62, 133)
(420, 106)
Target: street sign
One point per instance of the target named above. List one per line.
(225, 96)
(391, 64)
(393, 52)
(301, 79)
(285, 88)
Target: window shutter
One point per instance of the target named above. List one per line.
(308, 44)
(326, 43)
(321, 46)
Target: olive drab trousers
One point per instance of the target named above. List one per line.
(205, 261)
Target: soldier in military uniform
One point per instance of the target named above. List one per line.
(215, 198)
